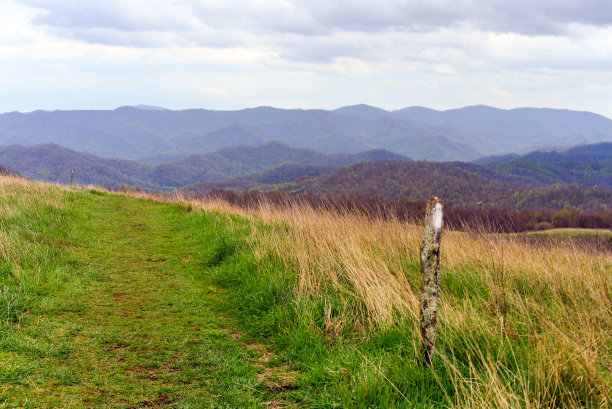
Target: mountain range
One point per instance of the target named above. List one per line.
(580, 177)
(156, 135)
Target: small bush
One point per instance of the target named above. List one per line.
(542, 226)
(563, 218)
(97, 192)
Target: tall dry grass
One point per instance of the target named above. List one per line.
(22, 196)
(535, 320)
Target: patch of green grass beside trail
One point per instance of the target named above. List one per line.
(571, 232)
(105, 301)
(600, 239)
(360, 368)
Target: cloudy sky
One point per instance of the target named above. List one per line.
(230, 54)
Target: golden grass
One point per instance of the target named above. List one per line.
(553, 297)
(20, 197)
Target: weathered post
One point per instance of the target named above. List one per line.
(71, 177)
(430, 267)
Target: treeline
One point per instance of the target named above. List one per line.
(460, 218)
(458, 187)
(588, 165)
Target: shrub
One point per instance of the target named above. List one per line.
(8, 172)
(542, 226)
(563, 218)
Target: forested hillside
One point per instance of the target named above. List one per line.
(54, 163)
(578, 178)
(459, 187)
(589, 165)
(267, 180)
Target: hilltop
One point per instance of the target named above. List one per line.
(108, 300)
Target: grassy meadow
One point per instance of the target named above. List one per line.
(109, 300)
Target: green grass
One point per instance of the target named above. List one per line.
(105, 301)
(573, 232)
(371, 368)
(594, 238)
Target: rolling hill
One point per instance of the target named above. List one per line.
(536, 180)
(419, 179)
(589, 165)
(267, 180)
(421, 133)
(458, 187)
(53, 163)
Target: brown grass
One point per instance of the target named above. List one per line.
(553, 297)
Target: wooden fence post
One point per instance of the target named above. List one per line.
(430, 267)
(71, 177)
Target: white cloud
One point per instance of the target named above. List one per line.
(319, 17)
(441, 53)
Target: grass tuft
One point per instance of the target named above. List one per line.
(13, 304)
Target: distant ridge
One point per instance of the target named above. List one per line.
(517, 130)
(465, 134)
(589, 165)
(52, 162)
(580, 178)
(458, 187)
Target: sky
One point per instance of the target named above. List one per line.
(232, 54)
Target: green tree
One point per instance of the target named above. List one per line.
(563, 218)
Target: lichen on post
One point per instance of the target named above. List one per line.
(430, 267)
